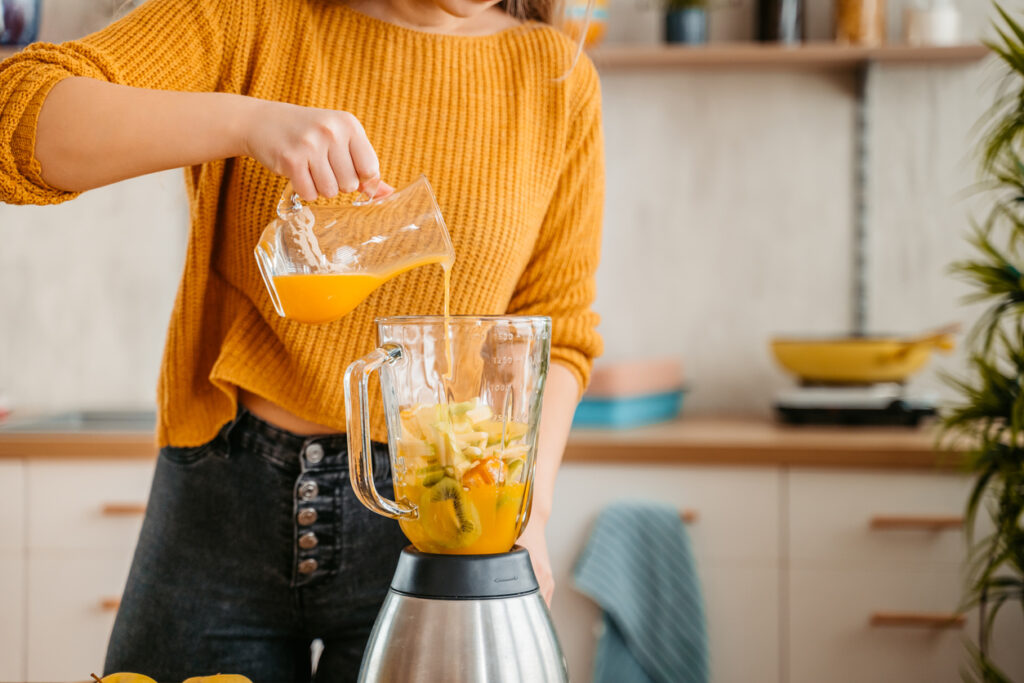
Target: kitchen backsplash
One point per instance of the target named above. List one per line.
(728, 219)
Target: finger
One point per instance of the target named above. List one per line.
(376, 189)
(323, 177)
(344, 171)
(363, 157)
(302, 183)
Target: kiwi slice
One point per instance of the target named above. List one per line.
(430, 475)
(447, 515)
(515, 470)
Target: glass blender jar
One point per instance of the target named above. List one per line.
(462, 399)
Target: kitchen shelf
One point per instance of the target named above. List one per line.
(760, 55)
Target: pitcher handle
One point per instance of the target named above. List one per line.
(357, 417)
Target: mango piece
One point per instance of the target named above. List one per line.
(410, 426)
(479, 413)
(462, 408)
(416, 449)
(124, 677)
(513, 431)
(515, 469)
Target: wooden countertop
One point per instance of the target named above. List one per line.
(738, 441)
(693, 440)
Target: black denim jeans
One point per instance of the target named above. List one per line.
(253, 546)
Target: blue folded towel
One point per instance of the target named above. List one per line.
(637, 565)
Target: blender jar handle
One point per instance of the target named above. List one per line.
(357, 416)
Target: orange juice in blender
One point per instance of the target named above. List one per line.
(466, 472)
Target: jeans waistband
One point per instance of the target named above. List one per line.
(296, 451)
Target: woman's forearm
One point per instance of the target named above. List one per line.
(92, 133)
(560, 398)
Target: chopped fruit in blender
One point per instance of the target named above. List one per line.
(417, 448)
(487, 472)
(464, 470)
(494, 429)
(430, 474)
(515, 470)
(447, 516)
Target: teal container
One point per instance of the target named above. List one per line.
(634, 411)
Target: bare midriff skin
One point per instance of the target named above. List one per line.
(268, 411)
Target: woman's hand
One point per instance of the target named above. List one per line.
(533, 540)
(321, 151)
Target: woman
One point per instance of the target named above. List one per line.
(253, 543)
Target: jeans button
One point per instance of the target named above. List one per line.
(314, 453)
(308, 490)
(308, 566)
(306, 516)
(308, 540)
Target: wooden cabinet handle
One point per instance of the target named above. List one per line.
(919, 619)
(110, 604)
(119, 509)
(688, 516)
(922, 522)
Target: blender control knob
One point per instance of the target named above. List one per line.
(308, 566)
(308, 540)
(306, 516)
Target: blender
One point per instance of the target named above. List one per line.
(461, 407)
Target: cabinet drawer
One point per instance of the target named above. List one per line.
(737, 509)
(12, 618)
(12, 506)
(68, 623)
(96, 506)
(832, 638)
(831, 517)
(735, 540)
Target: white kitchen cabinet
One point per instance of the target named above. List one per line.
(81, 524)
(12, 616)
(736, 543)
(843, 569)
(831, 637)
(95, 505)
(12, 508)
(69, 623)
(831, 513)
(12, 571)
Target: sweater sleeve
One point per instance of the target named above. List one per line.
(164, 44)
(559, 278)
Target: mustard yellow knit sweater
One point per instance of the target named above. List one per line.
(513, 152)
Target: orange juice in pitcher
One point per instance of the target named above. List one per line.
(321, 261)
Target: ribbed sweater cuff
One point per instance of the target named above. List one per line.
(575, 362)
(32, 89)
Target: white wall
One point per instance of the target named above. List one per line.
(728, 219)
(86, 287)
(729, 211)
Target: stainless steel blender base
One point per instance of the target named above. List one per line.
(492, 640)
(463, 619)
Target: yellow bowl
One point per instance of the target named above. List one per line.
(856, 360)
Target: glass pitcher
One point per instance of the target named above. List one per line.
(319, 261)
(462, 406)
